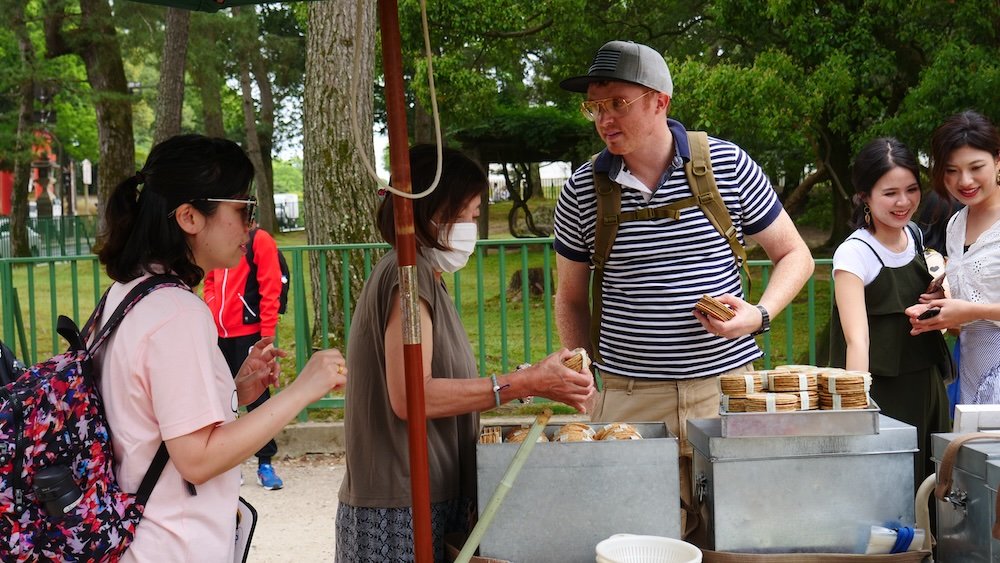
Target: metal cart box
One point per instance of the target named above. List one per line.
(801, 423)
(571, 495)
(802, 493)
(964, 522)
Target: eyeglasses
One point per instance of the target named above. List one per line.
(249, 210)
(615, 107)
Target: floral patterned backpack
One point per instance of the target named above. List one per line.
(59, 499)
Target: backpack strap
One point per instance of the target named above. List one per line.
(705, 195)
(706, 191)
(918, 237)
(609, 205)
(133, 297)
(152, 474)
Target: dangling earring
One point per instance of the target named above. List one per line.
(868, 216)
(998, 176)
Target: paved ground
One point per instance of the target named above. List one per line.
(295, 523)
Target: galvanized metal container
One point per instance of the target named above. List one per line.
(801, 423)
(965, 520)
(571, 495)
(802, 493)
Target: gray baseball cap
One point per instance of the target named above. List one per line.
(625, 61)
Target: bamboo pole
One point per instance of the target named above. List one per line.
(505, 486)
(423, 544)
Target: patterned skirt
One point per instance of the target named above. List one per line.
(979, 367)
(375, 535)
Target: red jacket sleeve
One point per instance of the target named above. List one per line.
(265, 256)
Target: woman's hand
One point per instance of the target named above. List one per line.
(259, 371)
(553, 380)
(952, 313)
(326, 370)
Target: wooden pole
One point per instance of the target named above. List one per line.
(406, 252)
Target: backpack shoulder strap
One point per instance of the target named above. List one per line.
(609, 206)
(703, 186)
(133, 297)
(152, 474)
(918, 236)
(141, 290)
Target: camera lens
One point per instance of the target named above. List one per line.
(55, 488)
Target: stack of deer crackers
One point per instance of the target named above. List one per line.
(714, 308)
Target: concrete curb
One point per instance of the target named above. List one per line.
(296, 440)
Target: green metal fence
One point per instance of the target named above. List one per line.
(505, 327)
(53, 236)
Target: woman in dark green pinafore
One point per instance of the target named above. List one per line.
(879, 271)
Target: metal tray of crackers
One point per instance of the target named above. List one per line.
(855, 422)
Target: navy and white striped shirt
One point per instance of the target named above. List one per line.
(659, 268)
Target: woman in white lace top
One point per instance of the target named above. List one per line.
(966, 165)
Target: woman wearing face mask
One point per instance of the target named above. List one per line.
(965, 151)
(374, 521)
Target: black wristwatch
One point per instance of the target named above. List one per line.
(765, 321)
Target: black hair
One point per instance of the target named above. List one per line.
(935, 210)
(139, 231)
(461, 180)
(873, 161)
(966, 129)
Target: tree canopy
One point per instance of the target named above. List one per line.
(800, 85)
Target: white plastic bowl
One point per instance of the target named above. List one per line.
(629, 548)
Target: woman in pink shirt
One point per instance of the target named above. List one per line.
(163, 378)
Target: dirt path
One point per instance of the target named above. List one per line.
(295, 523)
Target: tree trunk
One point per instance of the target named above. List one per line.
(22, 144)
(535, 179)
(170, 93)
(262, 180)
(94, 39)
(795, 203)
(252, 148)
(423, 124)
(838, 163)
(265, 138)
(340, 196)
(205, 71)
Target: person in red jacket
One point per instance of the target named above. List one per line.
(243, 315)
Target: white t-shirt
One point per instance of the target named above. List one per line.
(854, 257)
(162, 376)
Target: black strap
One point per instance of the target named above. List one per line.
(918, 237)
(144, 288)
(141, 290)
(152, 474)
(870, 247)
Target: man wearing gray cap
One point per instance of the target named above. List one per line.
(659, 359)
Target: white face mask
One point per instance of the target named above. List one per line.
(461, 242)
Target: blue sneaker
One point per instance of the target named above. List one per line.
(267, 478)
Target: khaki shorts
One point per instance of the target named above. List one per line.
(672, 401)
